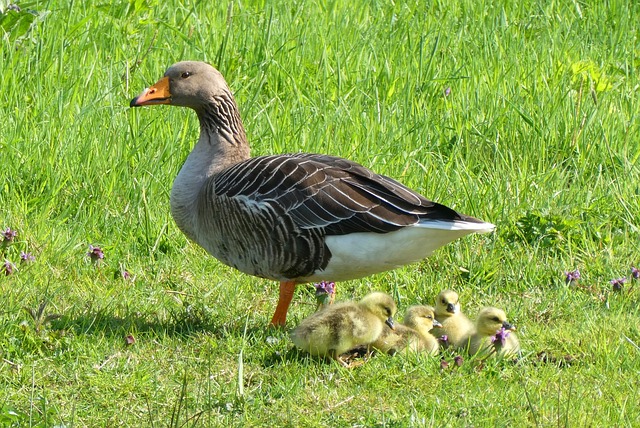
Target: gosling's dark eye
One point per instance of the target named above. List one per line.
(429, 317)
(186, 74)
(444, 302)
(496, 319)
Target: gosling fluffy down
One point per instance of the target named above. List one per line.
(455, 325)
(490, 321)
(344, 326)
(412, 335)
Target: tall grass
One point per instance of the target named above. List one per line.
(524, 114)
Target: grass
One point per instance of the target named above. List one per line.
(521, 113)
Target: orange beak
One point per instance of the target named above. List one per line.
(156, 94)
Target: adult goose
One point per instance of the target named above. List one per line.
(293, 218)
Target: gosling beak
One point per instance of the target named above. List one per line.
(508, 326)
(389, 322)
(436, 323)
(156, 94)
(451, 308)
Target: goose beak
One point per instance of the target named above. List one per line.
(451, 308)
(156, 94)
(508, 326)
(436, 323)
(389, 322)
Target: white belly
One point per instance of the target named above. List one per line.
(362, 254)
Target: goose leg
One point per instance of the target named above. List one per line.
(286, 294)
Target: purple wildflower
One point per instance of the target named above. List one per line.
(26, 257)
(125, 274)
(617, 283)
(325, 287)
(500, 338)
(571, 276)
(458, 360)
(325, 292)
(444, 339)
(95, 254)
(130, 340)
(9, 235)
(635, 272)
(447, 91)
(444, 364)
(8, 267)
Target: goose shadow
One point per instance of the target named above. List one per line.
(185, 322)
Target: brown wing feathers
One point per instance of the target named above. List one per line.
(331, 193)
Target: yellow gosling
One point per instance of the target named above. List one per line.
(344, 326)
(455, 325)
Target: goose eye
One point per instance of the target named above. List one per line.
(429, 317)
(444, 302)
(496, 319)
(186, 74)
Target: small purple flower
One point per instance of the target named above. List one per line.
(444, 339)
(500, 338)
(635, 272)
(9, 235)
(444, 364)
(447, 92)
(458, 360)
(571, 276)
(617, 283)
(8, 267)
(325, 287)
(26, 257)
(325, 292)
(125, 274)
(95, 254)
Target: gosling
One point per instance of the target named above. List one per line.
(344, 326)
(412, 335)
(493, 334)
(455, 325)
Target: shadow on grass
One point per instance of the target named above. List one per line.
(183, 323)
(355, 357)
(292, 355)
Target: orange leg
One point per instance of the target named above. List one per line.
(286, 294)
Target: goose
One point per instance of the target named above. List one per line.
(293, 218)
(454, 324)
(412, 335)
(344, 326)
(422, 319)
(492, 330)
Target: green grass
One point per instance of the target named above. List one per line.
(539, 134)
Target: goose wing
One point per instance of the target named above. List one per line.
(330, 193)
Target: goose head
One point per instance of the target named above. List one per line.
(187, 84)
(447, 304)
(381, 305)
(423, 316)
(490, 320)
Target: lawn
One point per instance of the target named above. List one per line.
(522, 113)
